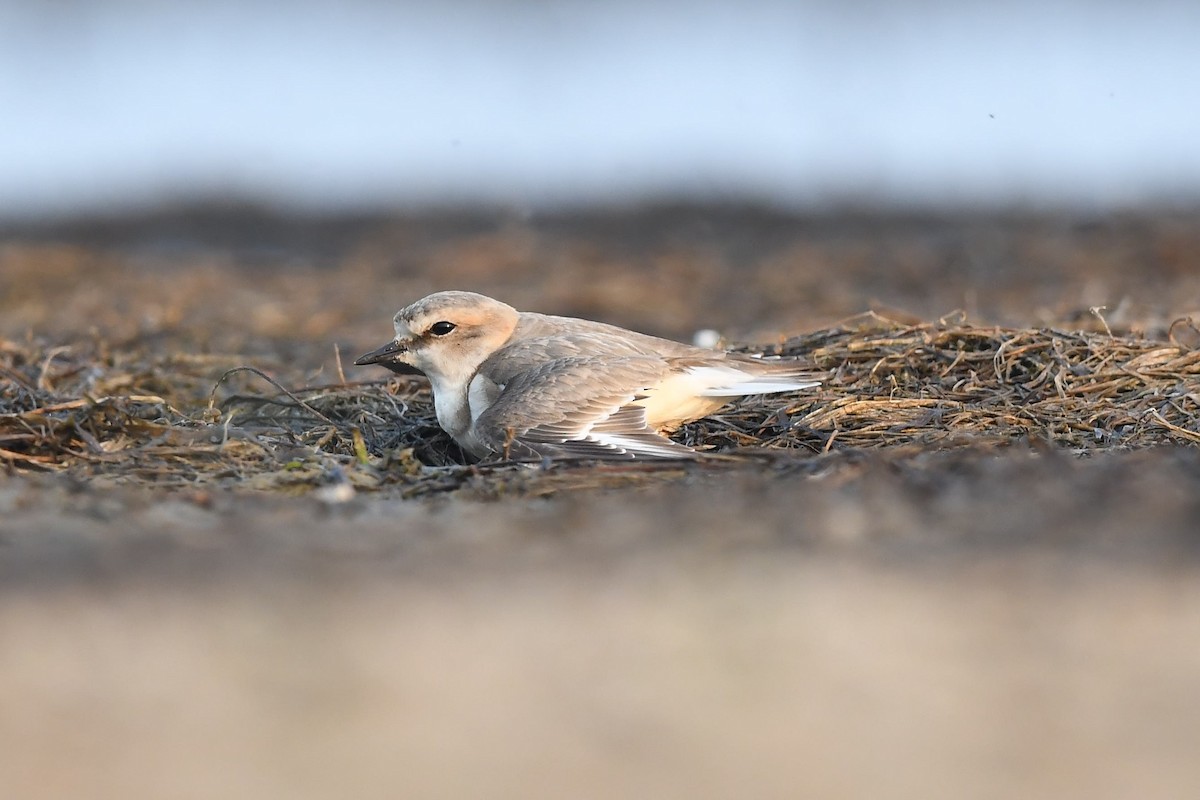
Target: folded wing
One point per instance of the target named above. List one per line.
(581, 407)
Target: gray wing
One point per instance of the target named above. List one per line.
(578, 407)
(540, 339)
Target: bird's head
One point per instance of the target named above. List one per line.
(446, 335)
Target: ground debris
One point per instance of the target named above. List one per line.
(938, 385)
(949, 382)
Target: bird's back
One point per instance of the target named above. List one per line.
(542, 338)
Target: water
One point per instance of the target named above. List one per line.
(324, 105)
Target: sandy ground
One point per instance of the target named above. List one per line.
(982, 623)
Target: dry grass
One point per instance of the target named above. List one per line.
(948, 382)
(124, 418)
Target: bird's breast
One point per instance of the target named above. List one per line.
(482, 392)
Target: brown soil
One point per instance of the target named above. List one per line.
(965, 567)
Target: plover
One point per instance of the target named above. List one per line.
(523, 385)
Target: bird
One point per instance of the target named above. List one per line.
(526, 386)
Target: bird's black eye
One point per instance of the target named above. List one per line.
(442, 328)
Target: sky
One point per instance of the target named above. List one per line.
(326, 106)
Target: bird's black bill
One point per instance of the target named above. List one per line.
(384, 354)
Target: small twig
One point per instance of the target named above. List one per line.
(225, 429)
(1096, 312)
(1184, 322)
(337, 357)
(42, 382)
(1175, 429)
(212, 397)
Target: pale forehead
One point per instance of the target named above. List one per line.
(446, 304)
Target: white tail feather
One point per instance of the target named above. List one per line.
(761, 386)
(726, 382)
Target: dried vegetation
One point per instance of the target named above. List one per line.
(948, 384)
